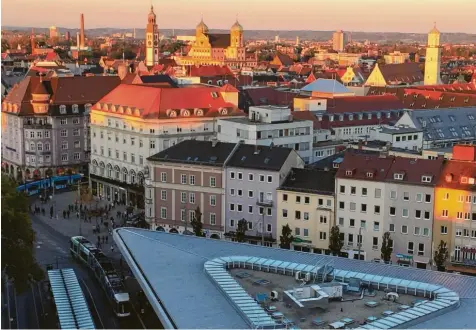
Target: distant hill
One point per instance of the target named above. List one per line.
(270, 34)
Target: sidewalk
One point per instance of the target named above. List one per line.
(74, 226)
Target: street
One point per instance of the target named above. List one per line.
(52, 248)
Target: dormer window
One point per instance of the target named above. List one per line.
(185, 113)
(388, 114)
(348, 172)
(464, 179)
(398, 176)
(172, 114)
(214, 95)
(370, 175)
(331, 118)
(224, 111)
(319, 117)
(198, 112)
(129, 111)
(369, 116)
(471, 180)
(426, 178)
(62, 109)
(341, 117)
(75, 108)
(361, 116)
(379, 115)
(351, 117)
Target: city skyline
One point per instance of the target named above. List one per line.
(407, 17)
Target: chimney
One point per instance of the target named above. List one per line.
(82, 31)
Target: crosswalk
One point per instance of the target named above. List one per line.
(42, 239)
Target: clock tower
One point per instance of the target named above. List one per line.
(151, 40)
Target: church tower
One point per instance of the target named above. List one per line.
(236, 35)
(433, 58)
(151, 40)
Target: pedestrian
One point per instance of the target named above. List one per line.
(64, 214)
(77, 215)
(68, 214)
(112, 248)
(107, 239)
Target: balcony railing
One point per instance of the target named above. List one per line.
(463, 262)
(264, 202)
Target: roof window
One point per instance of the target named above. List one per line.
(426, 178)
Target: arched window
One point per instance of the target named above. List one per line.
(141, 178)
(133, 177)
(75, 108)
(101, 168)
(124, 174)
(109, 170)
(62, 109)
(117, 172)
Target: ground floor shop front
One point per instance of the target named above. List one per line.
(117, 192)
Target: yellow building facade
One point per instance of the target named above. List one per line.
(433, 58)
(218, 48)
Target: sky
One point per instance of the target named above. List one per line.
(322, 15)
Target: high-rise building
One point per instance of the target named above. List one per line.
(339, 40)
(53, 31)
(82, 32)
(152, 39)
(433, 58)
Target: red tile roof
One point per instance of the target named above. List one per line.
(414, 169)
(363, 103)
(228, 88)
(154, 102)
(210, 71)
(364, 167)
(453, 173)
(270, 96)
(282, 60)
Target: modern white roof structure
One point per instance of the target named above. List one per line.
(187, 283)
(322, 85)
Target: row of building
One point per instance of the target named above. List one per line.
(418, 201)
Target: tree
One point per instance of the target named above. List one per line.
(286, 237)
(335, 242)
(386, 249)
(441, 255)
(197, 223)
(241, 230)
(18, 238)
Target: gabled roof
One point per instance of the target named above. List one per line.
(364, 167)
(219, 40)
(412, 170)
(401, 73)
(258, 157)
(326, 86)
(282, 60)
(196, 152)
(310, 180)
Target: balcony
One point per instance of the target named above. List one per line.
(262, 201)
(463, 262)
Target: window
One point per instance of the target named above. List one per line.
(376, 226)
(250, 225)
(141, 160)
(404, 229)
(298, 199)
(363, 224)
(352, 223)
(191, 215)
(285, 197)
(391, 228)
(444, 213)
(76, 156)
(421, 249)
(39, 146)
(191, 180)
(269, 228)
(392, 210)
(410, 248)
(163, 212)
(444, 230)
(341, 205)
(342, 189)
(261, 178)
(376, 209)
(270, 178)
(285, 213)
(306, 200)
(232, 207)
(240, 192)
(416, 231)
(213, 181)
(352, 206)
(183, 178)
(405, 213)
(427, 198)
(418, 214)
(297, 231)
(64, 145)
(47, 134)
(459, 215)
(240, 176)
(47, 147)
(213, 200)
(152, 144)
(406, 196)
(232, 175)
(213, 219)
(427, 215)
(232, 223)
(306, 215)
(250, 209)
(63, 121)
(163, 176)
(352, 190)
(364, 191)
(306, 232)
(250, 193)
(341, 221)
(458, 232)
(76, 132)
(298, 215)
(363, 208)
(426, 178)
(124, 155)
(77, 144)
(232, 191)
(163, 195)
(141, 144)
(191, 198)
(426, 232)
(375, 242)
(63, 133)
(419, 197)
(378, 192)
(183, 215)
(393, 194)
